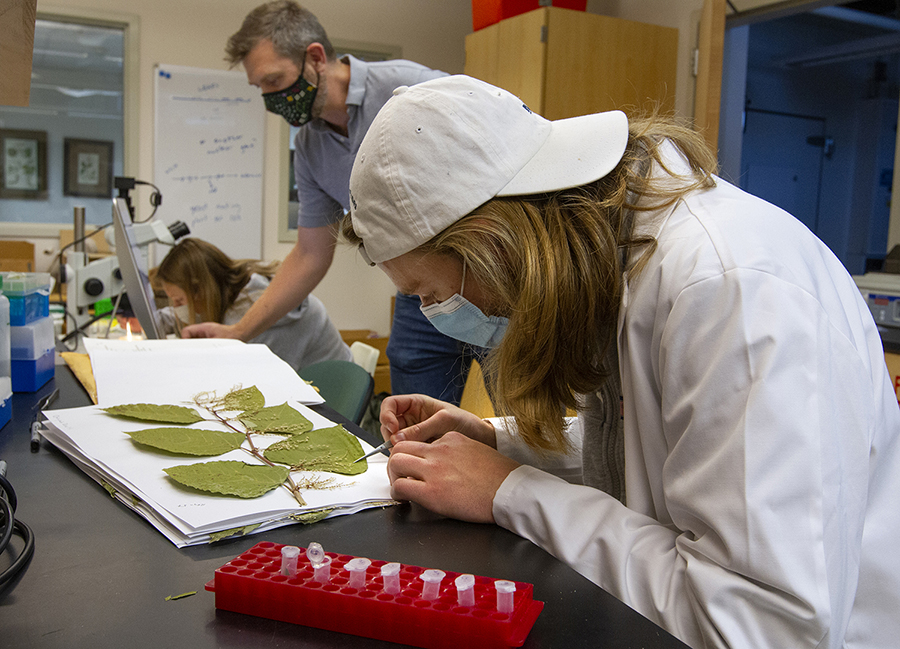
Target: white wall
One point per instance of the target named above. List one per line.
(431, 32)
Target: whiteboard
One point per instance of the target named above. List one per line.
(208, 155)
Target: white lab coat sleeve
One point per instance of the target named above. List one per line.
(567, 466)
(763, 416)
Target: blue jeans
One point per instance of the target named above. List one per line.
(423, 360)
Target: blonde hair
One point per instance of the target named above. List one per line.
(290, 27)
(555, 263)
(210, 279)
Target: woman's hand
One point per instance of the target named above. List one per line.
(419, 418)
(209, 330)
(454, 476)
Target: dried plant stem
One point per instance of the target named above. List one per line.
(289, 484)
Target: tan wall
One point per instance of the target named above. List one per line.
(432, 32)
(194, 34)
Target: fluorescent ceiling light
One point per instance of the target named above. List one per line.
(78, 93)
(851, 51)
(66, 55)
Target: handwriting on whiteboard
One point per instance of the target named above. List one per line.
(215, 213)
(213, 181)
(208, 156)
(217, 100)
(226, 144)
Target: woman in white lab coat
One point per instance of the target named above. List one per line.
(735, 464)
(206, 285)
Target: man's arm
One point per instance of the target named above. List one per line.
(300, 273)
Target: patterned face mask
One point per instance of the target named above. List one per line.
(294, 103)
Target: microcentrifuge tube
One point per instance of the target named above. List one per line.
(432, 587)
(315, 553)
(505, 590)
(465, 590)
(320, 562)
(390, 576)
(357, 569)
(322, 570)
(289, 554)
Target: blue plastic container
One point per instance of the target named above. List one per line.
(29, 296)
(5, 364)
(5, 400)
(30, 376)
(32, 341)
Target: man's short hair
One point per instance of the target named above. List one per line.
(290, 27)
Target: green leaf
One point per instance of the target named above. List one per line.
(327, 449)
(230, 477)
(160, 414)
(189, 441)
(235, 531)
(314, 516)
(245, 399)
(276, 419)
(182, 596)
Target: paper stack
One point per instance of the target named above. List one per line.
(173, 372)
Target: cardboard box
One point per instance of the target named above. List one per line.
(368, 337)
(96, 245)
(16, 256)
(488, 12)
(382, 379)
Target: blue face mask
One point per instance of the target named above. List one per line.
(462, 320)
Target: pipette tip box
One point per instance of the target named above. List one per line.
(253, 584)
(29, 296)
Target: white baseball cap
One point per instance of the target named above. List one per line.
(441, 148)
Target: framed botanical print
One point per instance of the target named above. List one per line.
(88, 168)
(23, 164)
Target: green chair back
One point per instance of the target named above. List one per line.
(344, 385)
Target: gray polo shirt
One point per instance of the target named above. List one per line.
(323, 159)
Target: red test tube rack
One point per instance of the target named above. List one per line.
(254, 583)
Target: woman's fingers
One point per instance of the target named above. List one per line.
(407, 461)
(401, 411)
(454, 476)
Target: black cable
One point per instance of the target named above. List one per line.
(8, 514)
(7, 493)
(12, 526)
(80, 330)
(155, 198)
(62, 273)
(155, 201)
(59, 257)
(67, 314)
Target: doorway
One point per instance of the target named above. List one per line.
(813, 112)
(782, 161)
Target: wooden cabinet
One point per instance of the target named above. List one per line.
(17, 18)
(564, 63)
